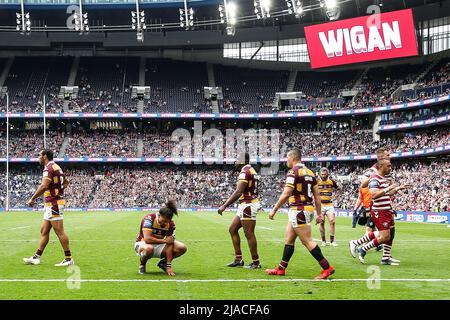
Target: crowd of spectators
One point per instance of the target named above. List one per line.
(429, 186)
(102, 143)
(28, 143)
(314, 142)
(209, 186)
(416, 115)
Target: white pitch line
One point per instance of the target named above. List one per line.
(221, 280)
(207, 240)
(16, 228)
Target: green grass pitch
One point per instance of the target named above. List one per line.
(102, 246)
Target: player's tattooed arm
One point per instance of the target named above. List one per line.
(287, 192)
(40, 191)
(240, 188)
(391, 190)
(317, 204)
(149, 239)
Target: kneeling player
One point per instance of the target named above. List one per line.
(157, 239)
(301, 189)
(247, 193)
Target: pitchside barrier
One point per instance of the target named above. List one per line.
(409, 216)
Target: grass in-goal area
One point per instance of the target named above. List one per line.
(102, 246)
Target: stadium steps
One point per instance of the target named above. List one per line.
(140, 148)
(73, 72)
(289, 87)
(360, 79)
(142, 63)
(211, 78)
(140, 106)
(425, 72)
(291, 81)
(6, 70)
(62, 150)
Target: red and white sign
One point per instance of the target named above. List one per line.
(373, 37)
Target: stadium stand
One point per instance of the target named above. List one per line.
(105, 84)
(416, 115)
(121, 186)
(31, 78)
(249, 90)
(337, 141)
(176, 86)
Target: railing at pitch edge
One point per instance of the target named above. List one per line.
(415, 124)
(409, 216)
(404, 154)
(283, 115)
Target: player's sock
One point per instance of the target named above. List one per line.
(317, 254)
(238, 256)
(287, 254)
(331, 238)
(323, 237)
(372, 244)
(355, 219)
(386, 252)
(366, 238)
(255, 259)
(38, 254)
(68, 255)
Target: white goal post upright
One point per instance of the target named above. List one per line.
(45, 126)
(7, 152)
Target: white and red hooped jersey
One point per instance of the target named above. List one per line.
(384, 202)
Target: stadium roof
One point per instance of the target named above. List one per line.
(114, 13)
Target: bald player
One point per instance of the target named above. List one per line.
(302, 193)
(382, 215)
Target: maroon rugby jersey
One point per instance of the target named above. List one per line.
(250, 177)
(302, 180)
(55, 193)
(150, 222)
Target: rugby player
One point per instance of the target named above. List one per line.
(52, 187)
(301, 190)
(382, 154)
(382, 215)
(361, 213)
(156, 239)
(326, 186)
(249, 205)
(362, 207)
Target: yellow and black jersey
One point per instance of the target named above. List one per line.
(326, 190)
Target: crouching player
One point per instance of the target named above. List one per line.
(382, 215)
(157, 239)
